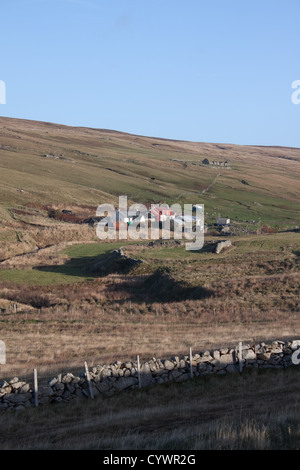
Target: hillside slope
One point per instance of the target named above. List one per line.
(52, 285)
(50, 165)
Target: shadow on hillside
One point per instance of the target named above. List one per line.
(114, 262)
(72, 267)
(160, 286)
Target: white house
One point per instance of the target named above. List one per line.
(222, 221)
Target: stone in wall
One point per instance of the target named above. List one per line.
(221, 245)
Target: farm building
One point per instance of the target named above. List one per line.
(123, 217)
(222, 221)
(161, 214)
(142, 216)
(216, 163)
(131, 215)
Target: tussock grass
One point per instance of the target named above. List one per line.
(232, 412)
(62, 339)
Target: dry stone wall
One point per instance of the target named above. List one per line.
(111, 379)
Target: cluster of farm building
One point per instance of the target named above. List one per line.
(161, 214)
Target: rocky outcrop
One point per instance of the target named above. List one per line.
(221, 245)
(114, 378)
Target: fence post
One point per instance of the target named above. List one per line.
(88, 379)
(191, 365)
(138, 370)
(35, 388)
(240, 356)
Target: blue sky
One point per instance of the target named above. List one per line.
(209, 71)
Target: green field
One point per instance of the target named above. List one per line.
(70, 272)
(272, 246)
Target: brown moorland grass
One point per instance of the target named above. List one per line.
(255, 410)
(248, 293)
(65, 339)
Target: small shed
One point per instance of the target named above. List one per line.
(222, 221)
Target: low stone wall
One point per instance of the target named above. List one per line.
(113, 378)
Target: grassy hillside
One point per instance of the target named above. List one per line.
(43, 260)
(95, 166)
(59, 308)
